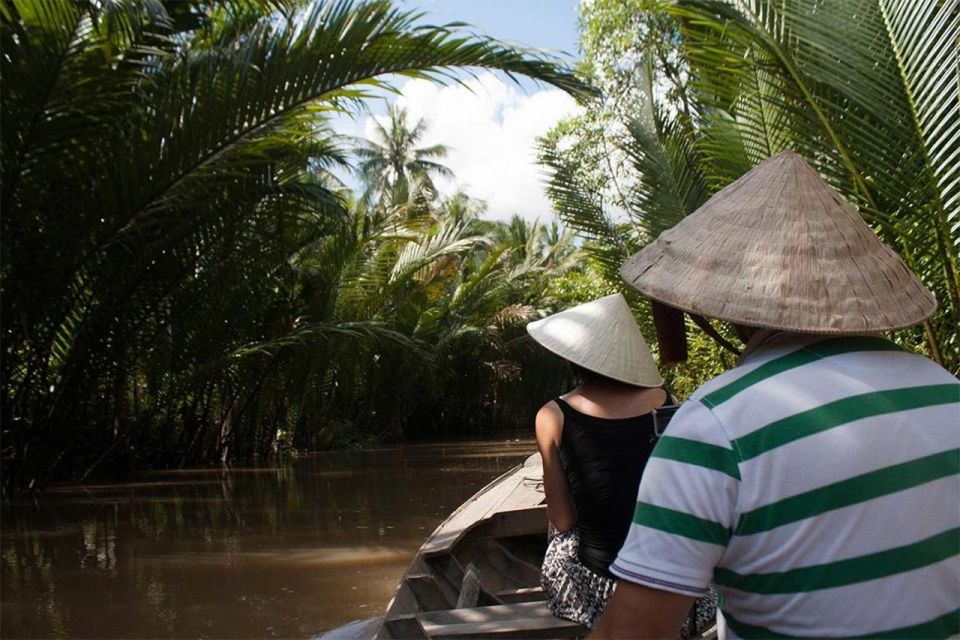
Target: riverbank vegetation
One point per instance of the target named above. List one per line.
(696, 92)
(184, 278)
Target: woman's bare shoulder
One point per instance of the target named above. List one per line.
(648, 397)
(549, 421)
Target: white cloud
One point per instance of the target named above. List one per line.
(490, 128)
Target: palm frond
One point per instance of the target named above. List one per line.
(583, 211)
(867, 90)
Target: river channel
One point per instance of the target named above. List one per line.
(284, 551)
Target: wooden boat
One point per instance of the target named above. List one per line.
(478, 574)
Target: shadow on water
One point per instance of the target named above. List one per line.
(245, 553)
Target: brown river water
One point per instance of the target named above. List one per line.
(259, 552)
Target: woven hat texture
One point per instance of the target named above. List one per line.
(779, 248)
(601, 336)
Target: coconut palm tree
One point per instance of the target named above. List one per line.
(393, 166)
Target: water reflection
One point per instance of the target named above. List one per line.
(247, 553)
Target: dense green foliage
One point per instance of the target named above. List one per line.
(698, 91)
(455, 293)
(184, 280)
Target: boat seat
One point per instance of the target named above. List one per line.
(527, 594)
(428, 592)
(516, 620)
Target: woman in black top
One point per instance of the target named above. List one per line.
(603, 459)
(594, 441)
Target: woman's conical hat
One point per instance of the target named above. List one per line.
(779, 248)
(601, 336)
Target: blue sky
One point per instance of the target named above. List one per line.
(490, 126)
(545, 24)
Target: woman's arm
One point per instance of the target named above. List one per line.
(560, 509)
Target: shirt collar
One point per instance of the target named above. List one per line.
(766, 338)
(759, 339)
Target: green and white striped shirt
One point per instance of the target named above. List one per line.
(818, 485)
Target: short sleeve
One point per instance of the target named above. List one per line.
(686, 506)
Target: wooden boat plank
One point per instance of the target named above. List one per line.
(428, 592)
(518, 522)
(469, 588)
(515, 491)
(453, 530)
(406, 627)
(484, 614)
(528, 493)
(447, 570)
(508, 565)
(523, 619)
(494, 629)
(526, 594)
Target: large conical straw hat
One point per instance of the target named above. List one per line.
(779, 248)
(601, 336)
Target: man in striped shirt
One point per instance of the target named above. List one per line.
(816, 484)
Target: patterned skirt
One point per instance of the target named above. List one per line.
(576, 593)
(573, 591)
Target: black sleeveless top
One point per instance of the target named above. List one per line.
(603, 459)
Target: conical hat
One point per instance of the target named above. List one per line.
(779, 248)
(601, 336)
